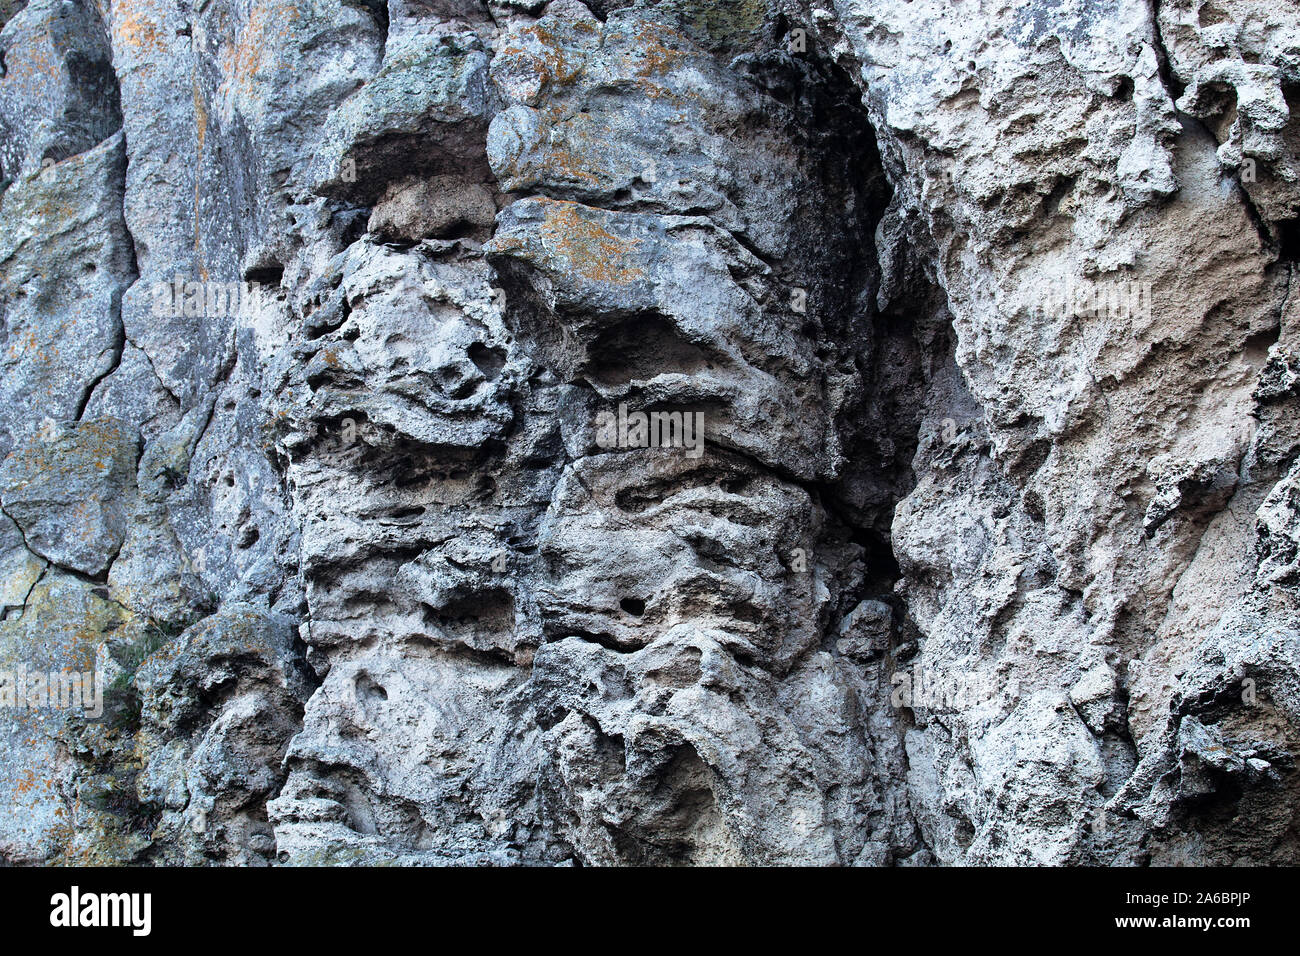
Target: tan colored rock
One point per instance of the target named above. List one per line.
(440, 207)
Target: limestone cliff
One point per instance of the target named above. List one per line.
(651, 431)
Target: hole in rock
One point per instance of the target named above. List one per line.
(639, 348)
(1288, 240)
(368, 689)
(265, 275)
(489, 361)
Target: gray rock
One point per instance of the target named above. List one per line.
(67, 489)
(652, 432)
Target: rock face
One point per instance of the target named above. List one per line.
(732, 432)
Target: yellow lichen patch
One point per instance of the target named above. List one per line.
(22, 345)
(722, 22)
(257, 45)
(201, 133)
(54, 210)
(135, 30)
(578, 152)
(200, 113)
(20, 580)
(657, 91)
(540, 53)
(29, 784)
(96, 444)
(506, 244)
(590, 250)
(70, 624)
(651, 50)
(34, 65)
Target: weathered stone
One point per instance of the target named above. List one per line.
(68, 490)
(58, 94)
(647, 432)
(435, 208)
(65, 258)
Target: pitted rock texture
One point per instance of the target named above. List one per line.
(318, 318)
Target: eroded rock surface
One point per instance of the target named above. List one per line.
(331, 331)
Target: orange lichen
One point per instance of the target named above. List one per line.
(656, 58)
(541, 53)
(138, 32)
(201, 133)
(34, 64)
(578, 152)
(257, 45)
(592, 251)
